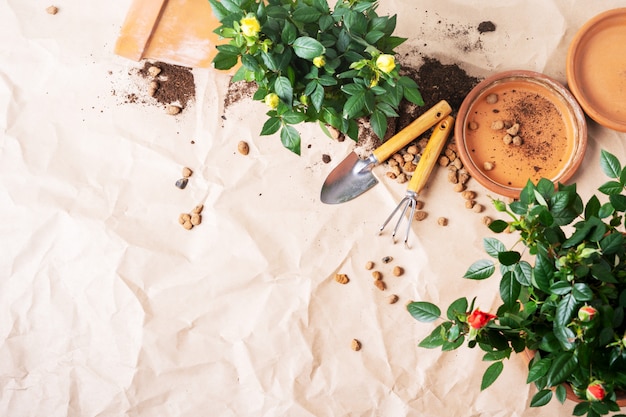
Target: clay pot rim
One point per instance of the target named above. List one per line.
(576, 55)
(575, 112)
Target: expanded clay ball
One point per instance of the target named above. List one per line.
(173, 109)
(392, 299)
(420, 215)
(369, 265)
(459, 187)
(355, 345)
(492, 98)
(487, 220)
(497, 125)
(52, 10)
(398, 271)
(243, 147)
(377, 275)
(380, 284)
(154, 71)
(442, 221)
(342, 278)
(488, 166)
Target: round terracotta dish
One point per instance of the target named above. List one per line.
(596, 68)
(550, 126)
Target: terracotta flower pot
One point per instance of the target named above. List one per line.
(621, 395)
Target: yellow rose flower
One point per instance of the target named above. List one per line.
(386, 63)
(250, 26)
(272, 100)
(319, 61)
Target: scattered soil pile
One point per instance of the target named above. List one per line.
(170, 86)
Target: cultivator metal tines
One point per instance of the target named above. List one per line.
(424, 167)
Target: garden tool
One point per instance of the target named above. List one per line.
(178, 32)
(420, 176)
(353, 176)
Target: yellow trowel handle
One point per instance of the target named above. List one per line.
(416, 128)
(431, 154)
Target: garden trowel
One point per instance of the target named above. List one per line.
(353, 176)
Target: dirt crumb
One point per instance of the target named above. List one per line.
(486, 26)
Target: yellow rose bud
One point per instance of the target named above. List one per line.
(250, 26)
(272, 100)
(386, 63)
(319, 61)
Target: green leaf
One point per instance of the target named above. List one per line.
(271, 126)
(560, 288)
(458, 307)
(317, 97)
(379, 123)
(373, 36)
(292, 117)
(283, 88)
(219, 11)
(480, 270)
(498, 226)
(224, 61)
(612, 243)
(592, 208)
(582, 292)
(493, 246)
(581, 409)
(562, 367)
(541, 398)
(354, 105)
(289, 33)
(308, 48)
(491, 374)
(523, 273)
(561, 393)
(609, 164)
(611, 187)
(435, 338)
(509, 289)
(509, 258)
(565, 310)
(497, 355)
(424, 311)
(618, 201)
(306, 14)
(538, 369)
(543, 273)
(290, 139)
(606, 210)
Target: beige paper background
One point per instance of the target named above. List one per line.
(110, 308)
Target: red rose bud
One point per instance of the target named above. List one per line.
(587, 313)
(479, 319)
(595, 391)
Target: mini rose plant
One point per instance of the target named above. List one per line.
(314, 63)
(563, 293)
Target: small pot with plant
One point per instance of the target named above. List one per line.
(313, 63)
(563, 295)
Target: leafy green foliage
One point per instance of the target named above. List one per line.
(322, 62)
(563, 296)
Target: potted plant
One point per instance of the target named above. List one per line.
(563, 293)
(313, 63)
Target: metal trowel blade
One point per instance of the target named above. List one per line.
(351, 178)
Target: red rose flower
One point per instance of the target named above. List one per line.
(479, 319)
(595, 391)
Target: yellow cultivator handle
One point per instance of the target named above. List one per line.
(412, 131)
(431, 154)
